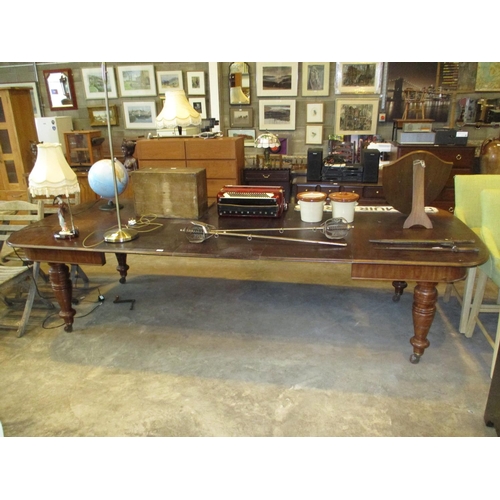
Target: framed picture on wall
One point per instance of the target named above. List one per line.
(277, 79)
(169, 80)
(140, 114)
(98, 116)
(247, 134)
(314, 134)
(356, 116)
(196, 82)
(94, 83)
(199, 104)
(315, 78)
(137, 80)
(358, 78)
(241, 117)
(277, 114)
(315, 112)
(488, 77)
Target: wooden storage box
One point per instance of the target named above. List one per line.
(175, 193)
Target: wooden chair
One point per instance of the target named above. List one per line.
(14, 216)
(50, 208)
(397, 180)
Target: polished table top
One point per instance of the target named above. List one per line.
(168, 239)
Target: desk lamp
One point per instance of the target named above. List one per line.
(267, 141)
(177, 113)
(53, 177)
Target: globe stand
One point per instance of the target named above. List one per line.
(110, 205)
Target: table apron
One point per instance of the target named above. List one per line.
(436, 274)
(65, 256)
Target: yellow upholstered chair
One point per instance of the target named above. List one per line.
(468, 210)
(490, 233)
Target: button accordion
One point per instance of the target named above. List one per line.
(251, 201)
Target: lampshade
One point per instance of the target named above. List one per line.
(51, 175)
(267, 140)
(177, 112)
(238, 96)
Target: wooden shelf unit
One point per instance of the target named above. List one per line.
(80, 151)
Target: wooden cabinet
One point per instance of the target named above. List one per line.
(268, 177)
(462, 158)
(17, 136)
(223, 158)
(83, 148)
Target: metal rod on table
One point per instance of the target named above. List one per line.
(445, 248)
(444, 242)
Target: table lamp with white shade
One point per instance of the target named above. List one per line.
(177, 113)
(267, 141)
(53, 177)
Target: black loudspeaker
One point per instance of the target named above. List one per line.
(370, 160)
(314, 164)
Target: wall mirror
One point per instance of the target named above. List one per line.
(60, 89)
(239, 83)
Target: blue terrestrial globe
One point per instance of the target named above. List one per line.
(101, 178)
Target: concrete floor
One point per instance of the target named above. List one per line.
(226, 348)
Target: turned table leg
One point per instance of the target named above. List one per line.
(424, 309)
(122, 266)
(63, 290)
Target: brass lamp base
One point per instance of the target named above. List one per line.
(120, 235)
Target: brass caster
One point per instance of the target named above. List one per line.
(414, 359)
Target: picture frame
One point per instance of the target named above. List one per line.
(241, 117)
(196, 82)
(277, 78)
(93, 83)
(247, 134)
(358, 78)
(314, 112)
(315, 79)
(488, 77)
(277, 114)
(314, 134)
(135, 81)
(169, 80)
(98, 116)
(140, 114)
(356, 116)
(199, 104)
(35, 100)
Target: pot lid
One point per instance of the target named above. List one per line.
(344, 197)
(311, 196)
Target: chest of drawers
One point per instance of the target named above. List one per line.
(222, 158)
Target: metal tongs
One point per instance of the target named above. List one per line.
(198, 232)
(445, 245)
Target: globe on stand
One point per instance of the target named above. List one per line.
(101, 181)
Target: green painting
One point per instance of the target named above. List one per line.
(488, 76)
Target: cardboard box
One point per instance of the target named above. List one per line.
(172, 193)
